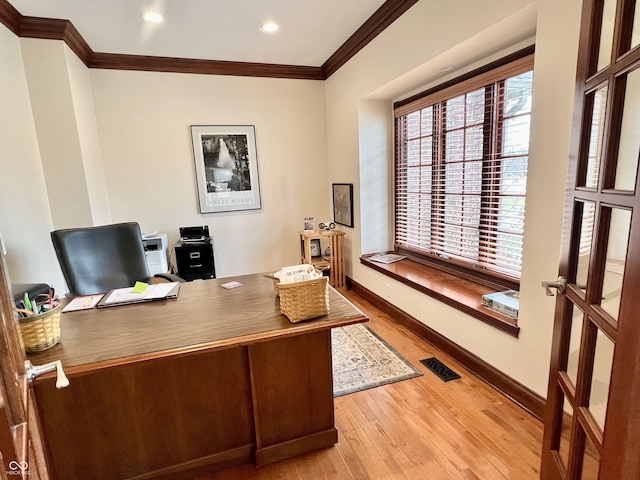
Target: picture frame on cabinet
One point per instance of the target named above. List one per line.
(316, 249)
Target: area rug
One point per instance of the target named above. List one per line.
(362, 360)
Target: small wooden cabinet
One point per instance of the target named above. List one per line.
(331, 255)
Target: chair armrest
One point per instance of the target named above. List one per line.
(170, 277)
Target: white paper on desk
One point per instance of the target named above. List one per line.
(152, 292)
(82, 303)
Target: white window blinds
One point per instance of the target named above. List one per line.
(461, 171)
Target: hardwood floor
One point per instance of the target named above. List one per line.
(422, 428)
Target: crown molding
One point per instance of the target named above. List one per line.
(207, 67)
(9, 16)
(388, 13)
(55, 29)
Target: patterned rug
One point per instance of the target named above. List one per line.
(363, 360)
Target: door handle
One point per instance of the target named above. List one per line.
(35, 370)
(559, 285)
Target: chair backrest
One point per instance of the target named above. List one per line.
(99, 259)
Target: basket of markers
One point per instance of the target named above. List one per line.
(40, 325)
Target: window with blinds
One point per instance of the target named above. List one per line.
(461, 171)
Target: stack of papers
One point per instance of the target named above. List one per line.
(297, 273)
(387, 258)
(82, 303)
(140, 293)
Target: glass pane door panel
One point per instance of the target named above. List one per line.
(635, 32)
(590, 461)
(596, 136)
(584, 247)
(565, 436)
(602, 363)
(627, 165)
(574, 345)
(606, 34)
(619, 228)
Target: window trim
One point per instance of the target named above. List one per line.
(493, 72)
(453, 87)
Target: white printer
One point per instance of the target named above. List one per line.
(155, 249)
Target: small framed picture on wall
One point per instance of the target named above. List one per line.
(343, 203)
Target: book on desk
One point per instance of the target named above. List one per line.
(129, 295)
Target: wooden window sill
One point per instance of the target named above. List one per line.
(461, 294)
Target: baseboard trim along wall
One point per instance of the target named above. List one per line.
(523, 396)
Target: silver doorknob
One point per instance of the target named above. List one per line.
(559, 285)
(35, 370)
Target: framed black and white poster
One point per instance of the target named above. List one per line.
(226, 167)
(343, 203)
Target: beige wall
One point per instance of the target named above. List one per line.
(56, 128)
(552, 114)
(25, 217)
(62, 104)
(88, 139)
(144, 121)
(354, 108)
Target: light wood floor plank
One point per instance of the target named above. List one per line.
(424, 453)
(388, 446)
(449, 393)
(462, 414)
(368, 456)
(309, 467)
(457, 451)
(339, 464)
(416, 429)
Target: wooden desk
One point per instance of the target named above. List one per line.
(177, 388)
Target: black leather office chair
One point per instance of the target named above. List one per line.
(99, 259)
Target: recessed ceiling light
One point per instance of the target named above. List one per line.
(153, 17)
(269, 27)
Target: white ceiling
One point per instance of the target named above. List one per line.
(310, 30)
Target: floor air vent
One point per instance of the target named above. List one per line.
(440, 369)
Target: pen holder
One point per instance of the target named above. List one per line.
(42, 331)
